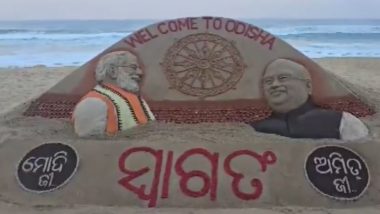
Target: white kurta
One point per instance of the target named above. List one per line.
(351, 128)
(90, 117)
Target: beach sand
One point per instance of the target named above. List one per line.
(19, 85)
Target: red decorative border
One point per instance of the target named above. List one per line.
(53, 106)
(348, 104)
(210, 111)
(61, 106)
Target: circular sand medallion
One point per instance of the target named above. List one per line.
(47, 167)
(337, 172)
(203, 65)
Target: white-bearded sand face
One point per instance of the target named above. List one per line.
(120, 68)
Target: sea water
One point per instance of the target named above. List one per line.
(72, 43)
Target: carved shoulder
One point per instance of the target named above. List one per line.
(90, 117)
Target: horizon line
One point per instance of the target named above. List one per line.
(156, 19)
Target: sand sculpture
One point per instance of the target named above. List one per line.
(114, 104)
(287, 89)
(204, 69)
(217, 61)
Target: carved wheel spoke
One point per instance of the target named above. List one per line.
(217, 68)
(212, 50)
(186, 69)
(196, 47)
(188, 58)
(217, 75)
(211, 77)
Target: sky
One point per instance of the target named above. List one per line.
(162, 9)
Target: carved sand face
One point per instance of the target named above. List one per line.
(120, 68)
(286, 85)
(129, 74)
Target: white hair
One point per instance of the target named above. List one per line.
(108, 62)
(300, 69)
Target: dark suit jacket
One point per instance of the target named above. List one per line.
(307, 121)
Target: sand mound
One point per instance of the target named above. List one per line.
(91, 185)
(205, 165)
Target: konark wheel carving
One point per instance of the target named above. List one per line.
(203, 65)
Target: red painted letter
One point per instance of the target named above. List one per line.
(193, 24)
(152, 36)
(240, 28)
(173, 27)
(140, 191)
(131, 40)
(183, 24)
(209, 184)
(142, 35)
(207, 21)
(267, 158)
(250, 33)
(270, 42)
(230, 26)
(159, 27)
(217, 24)
(166, 182)
(263, 36)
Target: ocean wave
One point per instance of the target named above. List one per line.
(59, 31)
(333, 36)
(33, 36)
(9, 31)
(75, 42)
(328, 29)
(115, 36)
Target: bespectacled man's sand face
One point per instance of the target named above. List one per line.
(129, 73)
(286, 85)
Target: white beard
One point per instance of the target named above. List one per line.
(125, 82)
